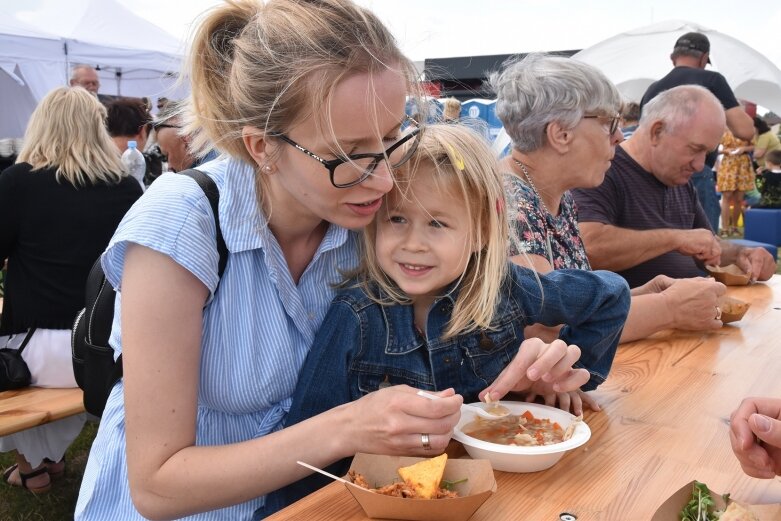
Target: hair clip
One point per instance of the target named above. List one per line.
(457, 158)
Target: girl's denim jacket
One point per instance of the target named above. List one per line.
(363, 346)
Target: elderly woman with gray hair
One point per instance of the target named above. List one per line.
(563, 118)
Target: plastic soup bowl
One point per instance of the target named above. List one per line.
(512, 458)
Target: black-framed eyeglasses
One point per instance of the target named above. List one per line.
(614, 121)
(350, 170)
(158, 126)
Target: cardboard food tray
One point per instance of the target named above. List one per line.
(729, 275)
(732, 309)
(382, 470)
(670, 509)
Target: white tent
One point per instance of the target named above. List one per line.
(635, 59)
(133, 57)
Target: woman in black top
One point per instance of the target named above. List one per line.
(59, 206)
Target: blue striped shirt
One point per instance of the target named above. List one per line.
(257, 329)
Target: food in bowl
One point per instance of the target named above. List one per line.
(520, 458)
(520, 430)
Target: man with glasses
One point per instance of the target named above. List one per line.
(690, 55)
(645, 220)
(174, 145)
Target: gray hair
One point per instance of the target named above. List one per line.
(540, 89)
(678, 105)
(80, 67)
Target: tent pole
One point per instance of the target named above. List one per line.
(67, 63)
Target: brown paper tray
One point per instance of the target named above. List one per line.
(729, 275)
(382, 470)
(670, 509)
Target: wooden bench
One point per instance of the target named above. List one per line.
(32, 406)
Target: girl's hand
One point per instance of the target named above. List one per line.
(538, 361)
(393, 421)
(571, 401)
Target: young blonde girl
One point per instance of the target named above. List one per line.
(435, 303)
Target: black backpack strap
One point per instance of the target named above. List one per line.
(26, 339)
(213, 194)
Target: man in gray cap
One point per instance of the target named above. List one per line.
(690, 56)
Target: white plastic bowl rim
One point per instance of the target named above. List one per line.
(579, 437)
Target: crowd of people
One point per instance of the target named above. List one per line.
(340, 211)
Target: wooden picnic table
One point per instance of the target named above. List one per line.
(665, 422)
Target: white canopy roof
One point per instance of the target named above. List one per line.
(635, 59)
(133, 57)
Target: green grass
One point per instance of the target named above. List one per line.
(17, 504)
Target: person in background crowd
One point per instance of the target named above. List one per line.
(735, 176)
(86, 77)
(645, 218)
(129, 120)
(451, 110)
(690, 55)
(764, 141)
(565, 139)
(162, 104)
(630, 117)
(175, 145)
(771, 181)
(59, 206)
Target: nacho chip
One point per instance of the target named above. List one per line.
(736, 512)
(424, 477)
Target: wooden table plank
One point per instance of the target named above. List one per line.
(24, 408)
(665, 421)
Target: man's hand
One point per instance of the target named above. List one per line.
(700, 244)
(757, 263)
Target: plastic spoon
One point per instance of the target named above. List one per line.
(494, 412)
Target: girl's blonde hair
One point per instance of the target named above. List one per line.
(67, 131)
(271, 65)
(461, 162)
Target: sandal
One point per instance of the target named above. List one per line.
(24, 477)
(56, 469)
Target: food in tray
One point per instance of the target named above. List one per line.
(732, 309)
(524, 430)
(423, 480)
(701, 507)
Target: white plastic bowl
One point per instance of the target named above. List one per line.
(512, 458)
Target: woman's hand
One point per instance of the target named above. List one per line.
(692, 303)
(755, 435)
(571, 401)
(538, 361)
(393, 421)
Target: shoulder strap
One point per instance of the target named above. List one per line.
(26, 339)
(213, 194)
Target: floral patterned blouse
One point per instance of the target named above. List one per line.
(535, 231)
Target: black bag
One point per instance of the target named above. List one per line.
(14, 373)
(94, 367)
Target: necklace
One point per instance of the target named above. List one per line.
(525, 172)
